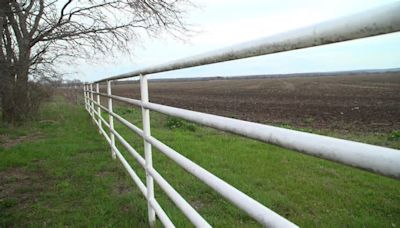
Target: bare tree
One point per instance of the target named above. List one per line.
(35, 34)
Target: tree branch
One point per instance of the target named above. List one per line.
(37, 19)
(14, 25)
(2, 55)
(21, 18)
(11, 56)
(48, 32)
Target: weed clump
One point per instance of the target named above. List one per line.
(394, 136)
(177, 123)
(124, 111)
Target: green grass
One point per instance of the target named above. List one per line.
(67, 177)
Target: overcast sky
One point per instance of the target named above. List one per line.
(221, 23)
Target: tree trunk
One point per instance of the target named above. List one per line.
(14, 96)
(7, 100)
(21, 101)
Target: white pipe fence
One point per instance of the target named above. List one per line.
(379, 160)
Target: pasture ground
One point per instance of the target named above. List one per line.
(58, 171)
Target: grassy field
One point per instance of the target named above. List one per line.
(58, 171)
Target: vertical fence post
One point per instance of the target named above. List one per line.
(91, 101)
(144, 92)
(98, 107)
(84, 95)
(87, 97)
(111, 119)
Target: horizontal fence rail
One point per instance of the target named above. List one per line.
(376, 159)
(360, 155)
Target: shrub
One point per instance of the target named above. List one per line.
(37, 93)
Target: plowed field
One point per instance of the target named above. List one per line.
(355, 103)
